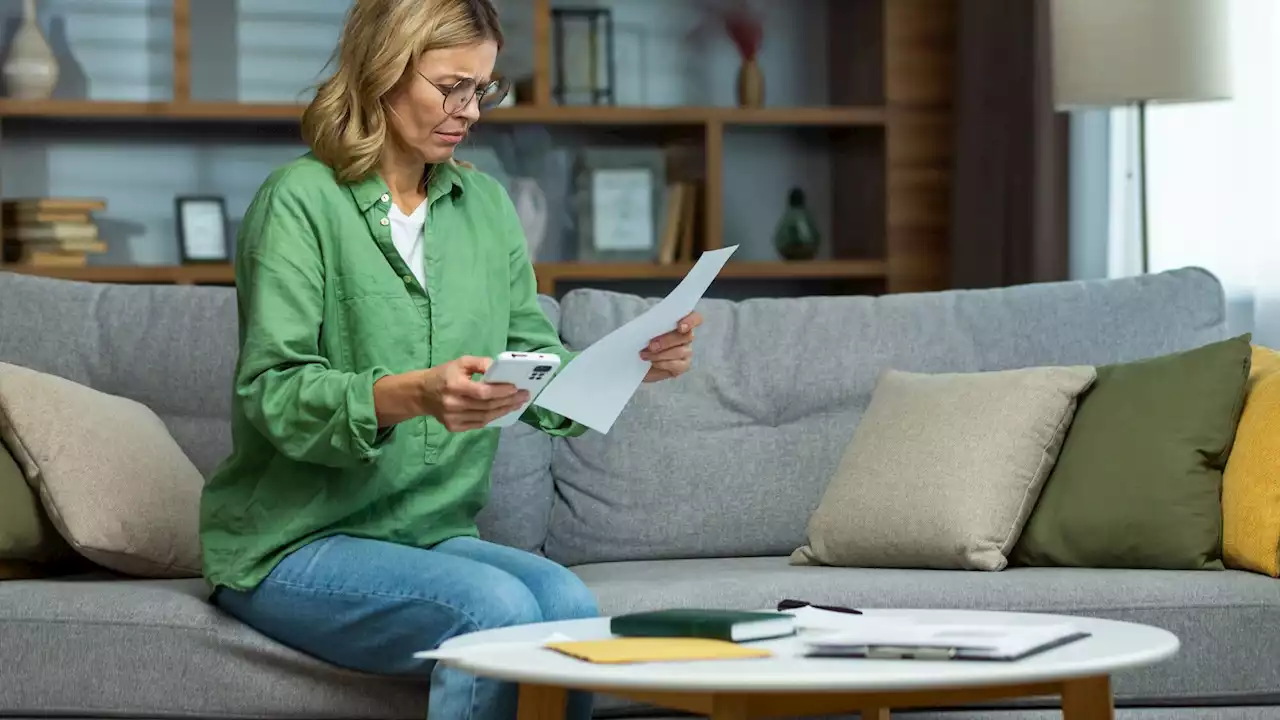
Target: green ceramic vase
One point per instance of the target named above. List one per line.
(796, 236)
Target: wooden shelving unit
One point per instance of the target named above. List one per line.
(553, 115)
(548, 273)
(888, 125)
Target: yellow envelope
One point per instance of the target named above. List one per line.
(650, 649)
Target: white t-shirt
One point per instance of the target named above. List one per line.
(406, 234)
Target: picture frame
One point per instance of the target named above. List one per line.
(619, 196)
(202, 229)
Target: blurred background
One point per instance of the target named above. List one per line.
(846, 146)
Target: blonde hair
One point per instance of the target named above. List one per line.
(345, 125)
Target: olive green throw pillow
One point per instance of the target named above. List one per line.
(1139, 479)
(26, 534)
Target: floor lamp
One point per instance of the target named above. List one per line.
(1132, 53)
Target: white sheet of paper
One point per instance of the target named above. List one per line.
(598, 384)
(995, 640)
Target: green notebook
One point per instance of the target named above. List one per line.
(731, 625)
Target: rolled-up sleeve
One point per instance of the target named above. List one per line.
(289, 392)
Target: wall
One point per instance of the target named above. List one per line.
(1090, 193)
(274, 50)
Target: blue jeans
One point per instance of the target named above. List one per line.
(369, 605)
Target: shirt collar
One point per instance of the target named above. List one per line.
(370, 190)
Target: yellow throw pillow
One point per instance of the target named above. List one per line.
(1251, 481)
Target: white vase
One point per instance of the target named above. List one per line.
(531, 207)
(30, 69)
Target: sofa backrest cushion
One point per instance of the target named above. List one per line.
(519, 505)
(170, 348)
(173, 349)
(732, 458)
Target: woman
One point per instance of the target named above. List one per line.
(375, 277)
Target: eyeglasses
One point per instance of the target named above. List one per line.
(458, 95)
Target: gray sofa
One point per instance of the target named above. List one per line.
(696, 497)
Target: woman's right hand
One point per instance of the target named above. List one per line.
(459, 402)
(448, 394)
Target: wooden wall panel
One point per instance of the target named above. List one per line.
(919, 41)
(855, 41)
(856, 77)
(919, 59)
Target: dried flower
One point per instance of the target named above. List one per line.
(740, 20)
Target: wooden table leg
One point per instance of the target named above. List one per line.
(539, 702)
(875, 713)
(1088, 699)
(729, 707)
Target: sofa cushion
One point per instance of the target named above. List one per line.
(1228, 622)
(1138, 483)
(1251, 480)
(519, 506)
(733, 457)
(170, 348)
(157, 648)
(113, 481)
(944, 469)
(173, 349)
(26, 535)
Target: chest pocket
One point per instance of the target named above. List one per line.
(380, 323)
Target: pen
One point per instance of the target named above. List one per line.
(796, 604)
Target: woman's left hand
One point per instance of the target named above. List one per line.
(671, 353)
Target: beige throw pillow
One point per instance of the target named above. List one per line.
(111, 478)
(944, 470)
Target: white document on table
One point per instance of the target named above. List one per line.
(595, 387)
(904, 638)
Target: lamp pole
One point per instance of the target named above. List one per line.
(1145, 237)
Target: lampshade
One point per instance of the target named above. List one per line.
(1117, 52)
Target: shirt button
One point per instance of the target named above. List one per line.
(408, 279)
(385, 221)
(385, 197)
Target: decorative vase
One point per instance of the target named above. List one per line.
(796, 236)
(30, 70)
(531, 207)
(750, 84)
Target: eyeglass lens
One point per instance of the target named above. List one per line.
(461, 94)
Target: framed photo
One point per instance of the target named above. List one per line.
(202, 229)
(619, 196)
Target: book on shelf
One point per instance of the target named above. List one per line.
(680, 216)
(51, 231)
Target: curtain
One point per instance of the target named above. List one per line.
(1213, 172)
(1009, 203)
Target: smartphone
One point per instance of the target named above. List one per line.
(527, 371)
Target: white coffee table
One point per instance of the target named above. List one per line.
(787, 685)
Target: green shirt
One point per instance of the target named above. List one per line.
(326, 307)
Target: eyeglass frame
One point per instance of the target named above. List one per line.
(447, 90)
